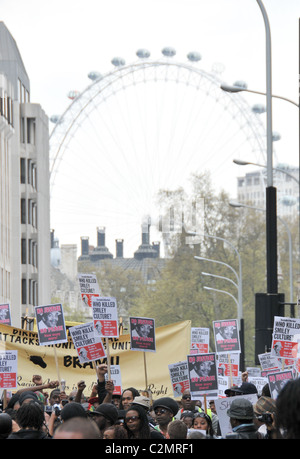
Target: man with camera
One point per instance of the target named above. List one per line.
(264, 410)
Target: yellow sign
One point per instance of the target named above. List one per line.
(61, 361)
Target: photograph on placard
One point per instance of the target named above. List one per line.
(226, 336)
(88, 346)
(51, 324)
(179, 376)
(89, 288)
(202, 373)
(5, 316)
(142, 334)
(105, 317)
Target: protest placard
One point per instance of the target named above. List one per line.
(179, 376)
(226, 336)
(142, 334)
(199, 340)
(278, 380)
(88, 346)
(269, 362)
(286, 338)
(51, 324)
(202, 374)
(222, 405)
(8, 369)
(5, 316)
(105, 317)
(115, 376)
(89, 288)
(228, 364)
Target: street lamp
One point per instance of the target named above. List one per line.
(240, 162)
(221, 291)
(291, 274)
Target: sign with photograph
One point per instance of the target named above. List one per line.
(105, 317)
(179, 377)
(226, 336)
(88, 346)
(142, 334)
(50, 324)
(8, 369)
(89, 288)
(199, 340)
(202, 374)
(5, 317)
(286, 338)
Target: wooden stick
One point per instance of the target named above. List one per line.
(57, 367)
(108, 358)
(230, 370)
(205, 405)
(145, 369)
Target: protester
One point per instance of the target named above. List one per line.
(203, 422)
(241, 416)
(127, 397)
(177, 430)
(77, 428)
(115, 432)
(288, 411)
(145, 403)
(187, 417)
(264, 411)
(187, 404)
(137, 426)
(30, 418)
(105, 415)
(6, 425)
(165, 409)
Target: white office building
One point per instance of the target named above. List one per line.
(24, 189)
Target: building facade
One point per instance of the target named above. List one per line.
(24, 189)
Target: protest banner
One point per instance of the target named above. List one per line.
(172, 344)
(286, 338)
(199, 340)
(226, 336)
(88, 346)
(5, 316)
(202, 374)
(116, 379)
(89, 288)
(50, 324)
(222, 405)
(105, 317)
(8, 369)
(278, 380)
(179, 376)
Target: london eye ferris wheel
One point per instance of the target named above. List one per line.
(140, 128)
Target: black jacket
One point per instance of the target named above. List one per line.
(28, 434)
(246, 431)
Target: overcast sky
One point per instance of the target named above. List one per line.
(61, 41)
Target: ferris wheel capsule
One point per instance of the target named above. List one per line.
(143, 53)
(194, 56)
(94, 75)
(73, 94)
(168, 51)
(118, 61)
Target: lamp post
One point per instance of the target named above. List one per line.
(291, 274)
(240, 162)
(238, 301)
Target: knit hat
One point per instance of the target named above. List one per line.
(28, 395)
(108, 410)
(240, 408)
(264, 405)
(168, 403)
(72, 410)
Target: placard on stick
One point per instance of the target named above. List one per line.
(105, 317)
(50, 324)
(142, 334)
(88, 346)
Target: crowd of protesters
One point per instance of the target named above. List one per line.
(45, 411)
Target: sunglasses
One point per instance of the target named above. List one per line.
(161, 411)
(131, 418)
(185, 397)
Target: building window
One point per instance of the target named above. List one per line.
(23, 170)
(24, 291)
(23, 211)
(31, 131)
(23, 252)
